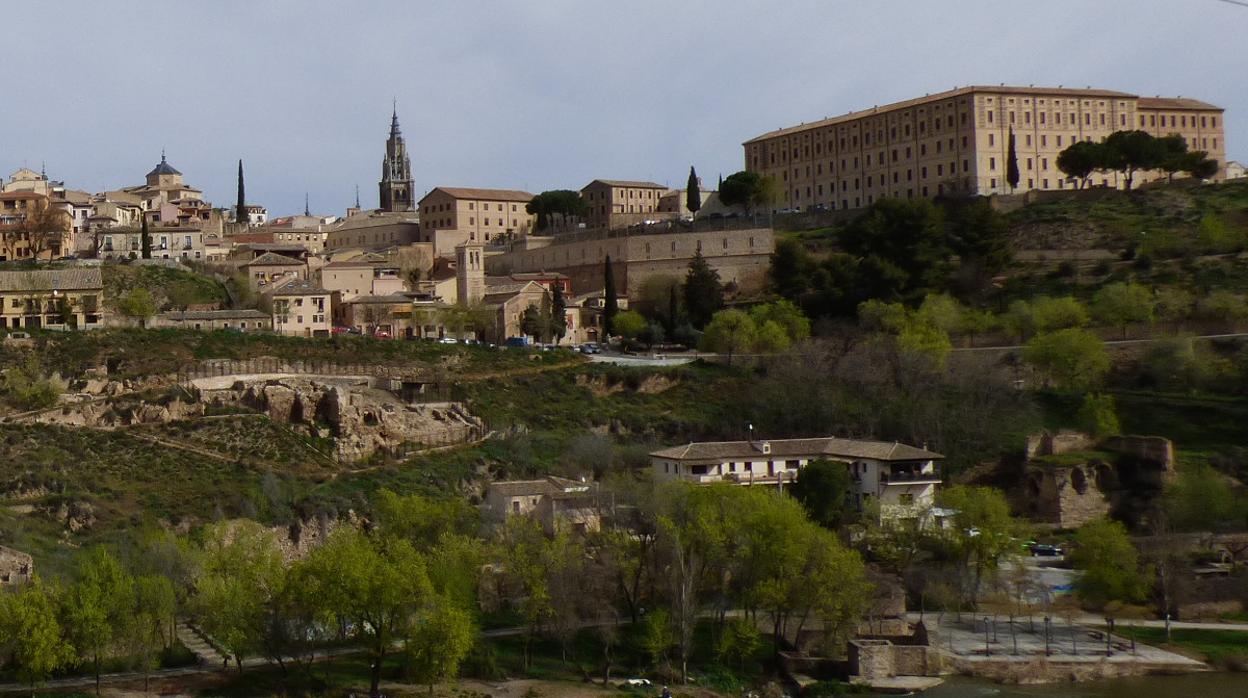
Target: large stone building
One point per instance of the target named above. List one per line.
(451, 216)
(901, 480)
(396, 172)
(66, 299)
(740, 256)
(302, 309)
(613, 203)
(957, 142)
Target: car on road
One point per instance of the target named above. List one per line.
(381, 334)
(590, 348)
(1044, 550)
(448, 340)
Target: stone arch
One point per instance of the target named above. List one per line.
(1033, 487)
(1079, 480)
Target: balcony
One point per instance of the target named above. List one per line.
(906, 477)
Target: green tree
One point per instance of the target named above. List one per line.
(374, 583)
(791, 270)
(823, 487)
(1071, 359)
(630, 324)
(31, 634)
(1200, 499)
(704, 293)
(1109, 564)
(533, 324)
(729, 332)
(738, 643)
(99, 607)
(1200, 166)
(982, 532)
(770, 338)
(240, 578)
(560, 205)
(240, 207)
(558, 313)
(880, 316)
(1129, 151)
(693, 192)
(610, 302)
(1122, 303)
(941, 311)
(1173, 155)
(917, 339)
(903, 249)
(1011, 163)
(784, 314)
(980, 236)
(1098, 415)
(438, 643)
(137, 303)
(656, 636)
(1079, 160)
(739, 189)
(26, 387)
(155, 603)
(145, 240)
(1222, 306)
(1173, 304)
(1063, 312)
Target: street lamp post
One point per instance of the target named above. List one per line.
(1047, 651)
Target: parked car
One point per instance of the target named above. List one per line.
(381, 334)
(1043, 550)
(448, 340)
(590, 348)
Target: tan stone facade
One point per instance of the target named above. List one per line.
(475, 216)
(740, 256)
(302, 309)
(613, 203)
(58, 299)
(957, 142)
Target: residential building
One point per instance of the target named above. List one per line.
(166, 243)
(31, 227)
(957, 142)
(63, 299)
(211, 320)
(164, 185)
(506, 300)
(396, 172)
(1234, 170)
(677, 201)
(369, 275)
(384, 316)
(26, 179)
(901, 480)
(741, 256)
(271, 269)
(613, 203)
(454, 215)
(558, 503)
(16, 567)
(302, 309)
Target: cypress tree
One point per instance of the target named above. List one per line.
(1011, 166)
(704, 293)
(145, 239)
(240, 210)
(558, 313)
(693, 192)
(673, 311)
(611, 303)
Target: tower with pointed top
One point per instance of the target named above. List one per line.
(396, 171)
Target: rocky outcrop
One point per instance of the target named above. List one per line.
(121, 413)
(361, 420)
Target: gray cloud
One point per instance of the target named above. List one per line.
(544, 93)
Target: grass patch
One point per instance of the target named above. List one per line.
(1224, 648)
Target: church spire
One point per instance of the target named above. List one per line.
(357, 196)
(306, 212)
(395, 187)
(394, 120)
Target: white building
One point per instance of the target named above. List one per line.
(900, 479)
(1234, 170)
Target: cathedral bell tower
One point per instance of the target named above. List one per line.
(396, 172)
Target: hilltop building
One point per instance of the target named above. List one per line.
(957, 142)
(614, 203)
(63, 299)
(452, 216)
(900, 479)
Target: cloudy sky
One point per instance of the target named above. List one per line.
(540, 94)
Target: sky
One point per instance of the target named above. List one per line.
(540, 94)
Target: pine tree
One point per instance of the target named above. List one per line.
(673, 311)
(704, 293)
(693, 192)
(240, 210)
(611, 303)
(1011, 159)
(145, 240)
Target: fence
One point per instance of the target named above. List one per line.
(412, 384)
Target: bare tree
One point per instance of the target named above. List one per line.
(45, 228)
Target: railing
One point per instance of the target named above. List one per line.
(905, 477)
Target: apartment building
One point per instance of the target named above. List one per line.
(65, 299)
(302, 309)
(957, 142)
(451, 216)
(166, 243)
(901, 480)
(368, 276)
(614, 203)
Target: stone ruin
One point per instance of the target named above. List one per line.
(16, 567)
(1074, 490)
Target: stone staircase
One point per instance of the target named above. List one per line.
(198, 645)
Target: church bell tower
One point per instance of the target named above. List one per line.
(396, 172)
